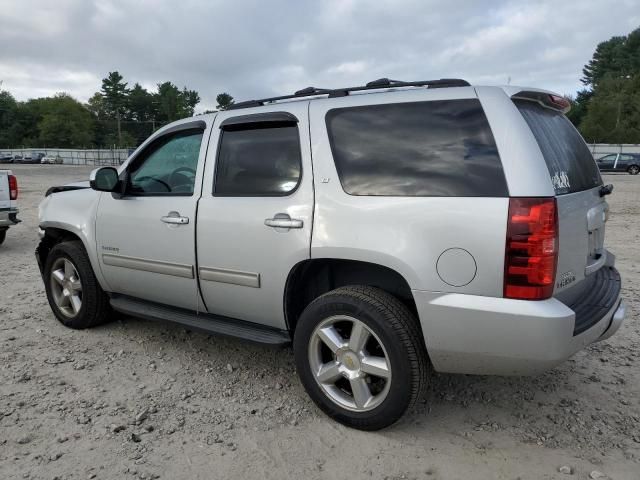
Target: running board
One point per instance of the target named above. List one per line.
(205, 322)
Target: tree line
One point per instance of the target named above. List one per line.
(607, 110)
(117, 115)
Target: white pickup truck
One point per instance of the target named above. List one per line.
(8, 202)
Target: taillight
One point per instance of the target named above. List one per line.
(532, 248)
(13, 187)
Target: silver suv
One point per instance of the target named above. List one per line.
(381, 230)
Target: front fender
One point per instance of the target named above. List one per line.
(74, 211)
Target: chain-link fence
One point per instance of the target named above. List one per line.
(104, 156)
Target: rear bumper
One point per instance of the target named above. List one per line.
(487, 335)
(9, 217)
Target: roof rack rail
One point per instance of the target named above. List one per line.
(343, 92)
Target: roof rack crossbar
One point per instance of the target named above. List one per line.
(342, 92)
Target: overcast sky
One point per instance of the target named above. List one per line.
(261, 48)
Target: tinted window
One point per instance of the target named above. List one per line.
(258, 162)
(168, 166)
(568, 158)
(439, 148)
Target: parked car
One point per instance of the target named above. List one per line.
(6, 158)
(620, 162)
(8, 202)
(32, 158)
(52, 159)
(422, 222)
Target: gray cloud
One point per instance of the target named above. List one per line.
(256, 48)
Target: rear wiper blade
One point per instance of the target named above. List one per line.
(606, 190)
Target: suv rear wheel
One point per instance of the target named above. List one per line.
(75, 296)
(361, 357)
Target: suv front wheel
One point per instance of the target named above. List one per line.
(75, 296)
(360, 355)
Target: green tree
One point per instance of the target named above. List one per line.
(617, 57)
(140, 104)
(115, 115)
(168, 101)
(608, 110)
(26, 125)
(224, 101)
(174, 103)
(190, 98)
(8, 118)
(114, 90)
(65, 124)
(613, 114)
(579, 106)
(96, 105)
(103, 125)
(141, 115)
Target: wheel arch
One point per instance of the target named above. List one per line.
(311, 278)
(51, 235)
(49, 238)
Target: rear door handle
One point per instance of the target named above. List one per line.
(174, 218)
(282, 220)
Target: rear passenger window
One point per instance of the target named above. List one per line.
(569, 161)
(438, 148)
(258, 162)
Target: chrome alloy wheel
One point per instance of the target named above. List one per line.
(349, 363)
(66, 287)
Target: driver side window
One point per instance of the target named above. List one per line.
(167, 167)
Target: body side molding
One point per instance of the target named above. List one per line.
(235, 277)
(147, 265)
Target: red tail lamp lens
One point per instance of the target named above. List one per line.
(532, 248)
(13, 187)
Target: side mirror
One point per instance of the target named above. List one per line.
(104, 179)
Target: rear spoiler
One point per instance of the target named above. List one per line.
(546, 99)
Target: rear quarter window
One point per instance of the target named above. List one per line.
(436, 148)
(569, 161)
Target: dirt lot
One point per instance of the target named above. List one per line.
(137, 399)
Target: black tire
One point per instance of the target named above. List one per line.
(95, 308)
(3, 235)
(633, 169)
(398, 331)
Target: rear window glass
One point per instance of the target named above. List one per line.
(438, 148)
(570, 163)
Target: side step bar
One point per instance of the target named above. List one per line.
(204, 322)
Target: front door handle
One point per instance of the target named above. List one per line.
(174, 218)
(282, 220)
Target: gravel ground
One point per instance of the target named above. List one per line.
(138, 399)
